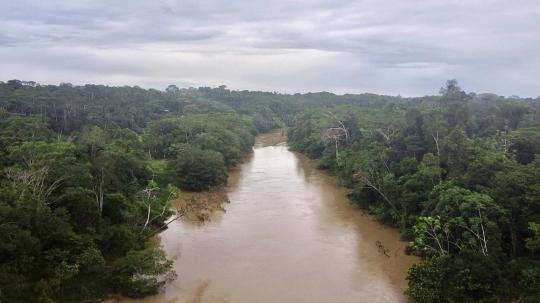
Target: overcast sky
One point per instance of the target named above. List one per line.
(407, 47)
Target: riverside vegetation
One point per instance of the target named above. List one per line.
(87, 174)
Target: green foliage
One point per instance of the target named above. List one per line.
(199, 169)
(162, 171)
(426, 281)
(533, 242)
(462, 278)
(141, 272)
(530, 283)
(457, 173)
(87, 173)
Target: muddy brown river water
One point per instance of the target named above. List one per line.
(288, 235)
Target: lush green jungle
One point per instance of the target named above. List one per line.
(87, 174)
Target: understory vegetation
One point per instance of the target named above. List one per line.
(87, 174)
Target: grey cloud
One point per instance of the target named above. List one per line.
(6, 41)
(408, 47)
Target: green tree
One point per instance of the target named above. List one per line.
(199, 169)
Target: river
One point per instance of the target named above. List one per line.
(288, 235)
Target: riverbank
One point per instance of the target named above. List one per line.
(289, 235)
(202, 205)
(205, 205)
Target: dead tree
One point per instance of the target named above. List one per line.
(149, 198)
(371, 181)
(180, 213)
(99, 190)
(436, 140)
(387, 133)
(339, 125)
(479, 233)
(33, 183)
(334, 135)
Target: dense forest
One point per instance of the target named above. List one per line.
(458, 174)
(87, 174)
